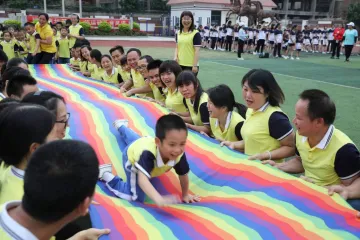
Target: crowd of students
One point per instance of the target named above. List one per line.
(43, 42)
(279, 41)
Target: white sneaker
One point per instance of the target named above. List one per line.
(120, 122)
(292, 58)
(254, 53)
(103, 169)
(240, 58)
(324, 53)
(285, 57)
(297, 58)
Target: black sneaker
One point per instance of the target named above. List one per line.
(332, 57)
(337, 58)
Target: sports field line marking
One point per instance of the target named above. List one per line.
(280, 74)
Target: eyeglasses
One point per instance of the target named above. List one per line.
(66, 121)
(141, 67)
(187, 18)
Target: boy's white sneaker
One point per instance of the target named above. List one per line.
(103, 169)
(120, 122)
(297, 58)
(292, 58)
(240, 58)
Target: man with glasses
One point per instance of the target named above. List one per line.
(140, 85)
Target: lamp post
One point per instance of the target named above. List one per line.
(63, 7)
(80, 8)
(45, 8)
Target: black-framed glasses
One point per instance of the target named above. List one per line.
(65, 121)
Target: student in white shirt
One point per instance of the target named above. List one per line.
(241, 40)
(229, 36)
(278, 40)
(261, 39)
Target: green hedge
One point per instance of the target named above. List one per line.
(136, 26)
(86, 26)
(124, 29)
(12, 23)
(104, 27)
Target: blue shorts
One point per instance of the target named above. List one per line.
(129, 190)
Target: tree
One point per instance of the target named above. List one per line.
(159, 5)
(129, 5)
(353, 14)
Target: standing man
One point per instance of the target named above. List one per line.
(229, 36)
(328, 157)
(338, 36)
(76, 31)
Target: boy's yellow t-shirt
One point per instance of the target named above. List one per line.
(63, 47)
(12, 185)
(9, 48)
(22, 48)
(75, 62)
(32, 41)
(97, 73)
(126, 76)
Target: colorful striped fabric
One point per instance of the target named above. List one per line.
(241, 199)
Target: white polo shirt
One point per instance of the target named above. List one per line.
(9, 228)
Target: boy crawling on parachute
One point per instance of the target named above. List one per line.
(146, 157)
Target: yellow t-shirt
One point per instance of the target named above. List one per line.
(97, 73)
(229, 132)
(175, 101)
(86, 66)
(22, 45)
(113, 77)
(319, 161)
(75, 62)
(44, 33)
(158, 96)
(136, 153)
(139, 81)
(9, 48)
(32, 41)
(126, 76)
(196, 117)
(63, 47)
(256, 133)
(12, 185)
(74, 30)
(186, 50)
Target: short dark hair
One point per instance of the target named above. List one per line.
(170, 66)
(20, 126)
(17, 83)
(7, 102)
(29, 24)
(117, 47)
(68, 171)
(320, 105)
(167, 123)
(64, 28)
(68, 21)
(154, 64)
(96, 54)
(48, 99)
(3, 56)
(123, 61)
(45, 15)
(15, 62)
(11, 72)
(134, 50)
(147, 57)
(222, 96)
(6, 31)
(256, 78)
(106, 56)
(59, 23)
(186, 78)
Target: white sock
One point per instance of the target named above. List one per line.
(108, 176)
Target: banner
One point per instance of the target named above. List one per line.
(94, 22)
